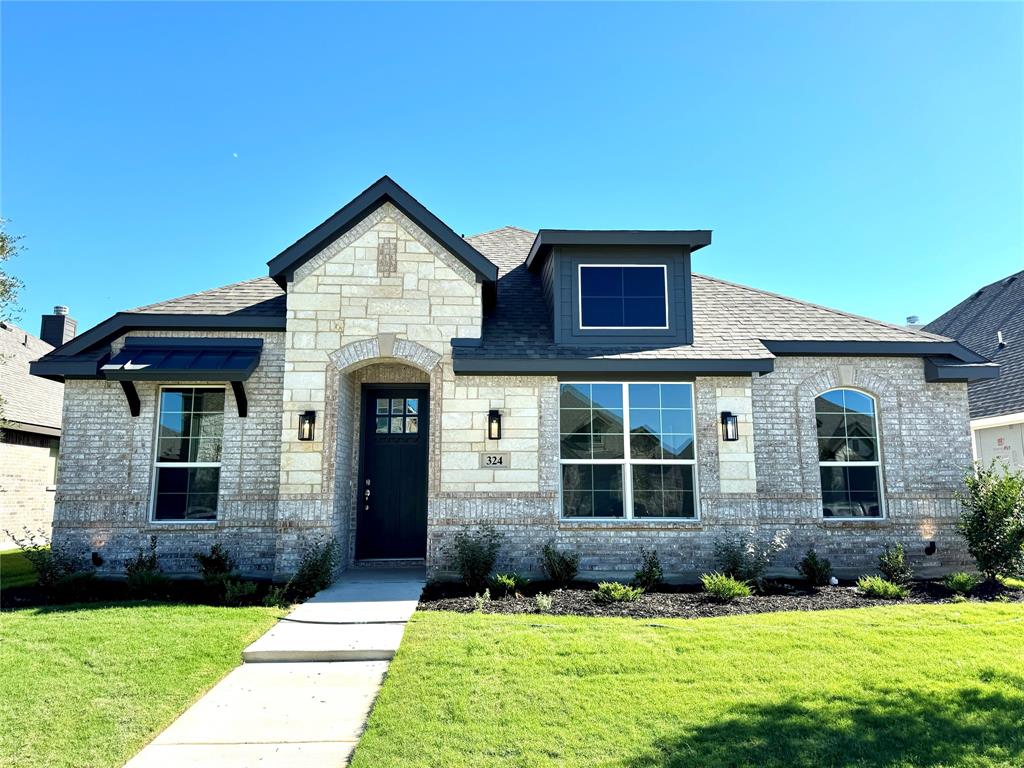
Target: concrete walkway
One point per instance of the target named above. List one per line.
(309, 707)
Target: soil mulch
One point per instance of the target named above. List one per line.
(687, 602)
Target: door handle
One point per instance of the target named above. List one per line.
(366, 493)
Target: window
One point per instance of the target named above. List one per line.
(614, 297)
(627, 451)
(848, 454)
(404, 415)
(188, 450)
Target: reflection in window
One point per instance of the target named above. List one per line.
(189, 435)
(627, 450)
(848, 454)
(623, 297)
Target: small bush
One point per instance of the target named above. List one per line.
(508, 584)
(75, 587)
(724, 588)
(239, 592)
(475, 554)
(145, 576)
(51, 564)
(650, 574)
(958, 599)
(881, 589)
(616, 592)
(560, 567)
(893, 564)
(817, 570)
(543, 603)
(215, 565)
(993, 519)
(317, 564)
(275, 598)
(479, 601)
(745, 558)
(960, 582)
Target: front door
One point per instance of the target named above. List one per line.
(392, 497)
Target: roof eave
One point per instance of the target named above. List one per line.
(546, 239)
(466, 365)
(843, 348)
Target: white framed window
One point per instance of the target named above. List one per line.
(627, 451)
(849, 454)
(623, 296)
(186, 464)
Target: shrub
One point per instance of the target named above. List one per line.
(317, 564)
(893, 564)
(744, 558)
(881, 589)
(275, 598)
(960, 582)
(817, 570)
(74, 587)
(543, 603)
(560, 567)
(475, 554)
(239, 591)
(616, 592)
(479, 601)
(215, 565)
(508, 584)
(51, 564)
(143, 571)
(958, 599)
(724, 588)
(650, 574)
(993, 519)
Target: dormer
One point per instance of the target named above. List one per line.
(618, 287)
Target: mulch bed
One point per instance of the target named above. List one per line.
(105, 590)
(687, 602)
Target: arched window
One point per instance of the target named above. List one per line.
(848, 454)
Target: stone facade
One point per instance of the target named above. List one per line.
(28, 465)
(381, 305)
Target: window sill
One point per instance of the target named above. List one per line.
(181, 523)
(679, 523)
(855, 522)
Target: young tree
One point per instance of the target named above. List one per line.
(10, 245)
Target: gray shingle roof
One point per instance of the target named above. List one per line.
(729, 320)
(27, 399)
(259, 296)
(975, 323)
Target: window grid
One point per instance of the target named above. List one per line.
(876, 464)
(579, 293)
(627, 463)
(186, 465)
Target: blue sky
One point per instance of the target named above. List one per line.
(865, 156)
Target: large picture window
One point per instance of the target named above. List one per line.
(627, 451)
(189, 435)
(616, 297)
(848, 454)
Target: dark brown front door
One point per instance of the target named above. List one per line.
(392, 512)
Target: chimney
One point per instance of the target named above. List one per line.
(58, 328)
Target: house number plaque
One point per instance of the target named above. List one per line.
(495, 460)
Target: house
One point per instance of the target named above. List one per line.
(30, 410)
(990, 322)
(391, 384)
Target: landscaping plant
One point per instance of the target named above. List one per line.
(745, 558)
(543, 603)
(960, 582)
(724, 588)
(893, 564)
(560, 567)
(881, 589)
(145, 577)
(817, 570)
(51, 564)
(650, 574)
(993, 519)
(475, 554)
(616, 592)
(479, 601)
(508, 584)
(317, 564)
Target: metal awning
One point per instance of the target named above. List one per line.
(147, 359)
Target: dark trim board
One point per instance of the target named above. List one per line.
(556, 366)
(938, 369)
(282, 267)
(874, 349)
(548, 238)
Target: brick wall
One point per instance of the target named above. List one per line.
(27, 463)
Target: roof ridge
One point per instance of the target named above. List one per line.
(200, 293)
(499, 229)
(892, 326)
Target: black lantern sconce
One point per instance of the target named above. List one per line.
(307, 425)
(730, 427)
(494, 425)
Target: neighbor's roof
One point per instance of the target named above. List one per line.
(975, 322)
(29, 401)
(729, 321)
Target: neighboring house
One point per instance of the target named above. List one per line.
(991, 322)
(392, 384)
(30, 410)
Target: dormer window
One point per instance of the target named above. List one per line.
(618, 296)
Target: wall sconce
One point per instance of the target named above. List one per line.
(307, 425)
(730, 427)
(494, 425)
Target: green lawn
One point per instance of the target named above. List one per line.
(87, 686)
(901, 686)
(15, 570)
